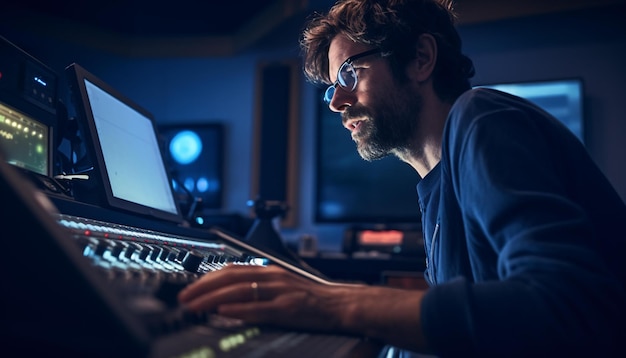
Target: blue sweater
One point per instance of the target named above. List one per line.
(525, 238)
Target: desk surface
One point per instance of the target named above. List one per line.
(367, 270)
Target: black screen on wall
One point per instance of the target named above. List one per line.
(194, 155)
(353, 191)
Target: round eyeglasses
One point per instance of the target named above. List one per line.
(346, 76)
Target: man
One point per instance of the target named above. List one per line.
(524, 235)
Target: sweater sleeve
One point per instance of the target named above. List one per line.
(554, 294)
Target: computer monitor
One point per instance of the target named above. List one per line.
(25, 141)
(122, 141)
(562, 98)
(350, 190)
(28, 114)
(194, 155)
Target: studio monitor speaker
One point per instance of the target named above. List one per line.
(276, 130)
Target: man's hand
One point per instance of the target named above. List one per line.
(272, 295)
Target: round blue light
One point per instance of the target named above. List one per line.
(185, 147)
(202, 184)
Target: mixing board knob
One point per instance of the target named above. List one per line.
(117, 249)
(101, 247)
(156, 253)
(130, 250)
(172, 255)
(164, 254)
(192, 261)
(146, 251)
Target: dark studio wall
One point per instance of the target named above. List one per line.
(586, 44)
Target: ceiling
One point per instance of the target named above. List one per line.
(212, 28)
(154, 28)
(150, 18)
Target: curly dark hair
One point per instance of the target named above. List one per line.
(393, 26)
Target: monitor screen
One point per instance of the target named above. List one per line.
(122, 141)
(563, 98)
(194, 155)
(350, 190)
(24, 140)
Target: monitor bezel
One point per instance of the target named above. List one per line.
(77, 75)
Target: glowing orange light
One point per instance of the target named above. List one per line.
(378, 237)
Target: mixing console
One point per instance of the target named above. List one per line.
(103, 288)
(147, 263)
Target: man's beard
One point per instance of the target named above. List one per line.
(387, 130)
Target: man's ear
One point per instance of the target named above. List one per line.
(422, 67)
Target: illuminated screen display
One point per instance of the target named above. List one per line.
(378, 237)
(561, 98)
(25, 141)
(126, 148)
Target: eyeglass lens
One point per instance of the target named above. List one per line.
(346, 78)
(328, 95)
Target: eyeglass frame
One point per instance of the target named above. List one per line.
(348, 62)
